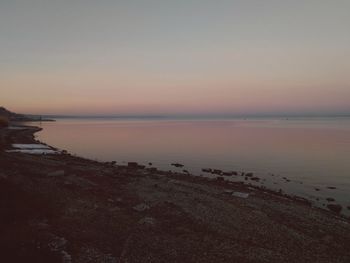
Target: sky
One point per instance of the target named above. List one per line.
(163, 57)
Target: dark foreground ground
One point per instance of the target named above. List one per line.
(68, 209)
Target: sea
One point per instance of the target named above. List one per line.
(302, 156)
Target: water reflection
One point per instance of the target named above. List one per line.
(314, 152)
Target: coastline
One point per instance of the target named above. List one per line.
(91, 211)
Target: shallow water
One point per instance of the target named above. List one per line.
(311, 153)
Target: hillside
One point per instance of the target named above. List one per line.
(19, 117)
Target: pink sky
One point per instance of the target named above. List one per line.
(188, 57)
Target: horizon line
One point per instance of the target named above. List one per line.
(286, 115)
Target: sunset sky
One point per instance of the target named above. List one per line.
(175, 56)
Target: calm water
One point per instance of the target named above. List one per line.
(311, 153)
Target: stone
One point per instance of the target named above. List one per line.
(334, 208)
(135, 165)
(152, 169)
(132, 164)
(66, 258)
(114, 209)
(3, 176)
(217, 171)
(147, 221)
(177, 164)
(240, 194)
(141, 207)
(249, 174)
(330, 199)
(58, 243)
(56, 173)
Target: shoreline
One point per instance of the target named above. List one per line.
(151, 208)
(218, 179)
(248, 179)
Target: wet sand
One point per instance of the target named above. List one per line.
(63, 208)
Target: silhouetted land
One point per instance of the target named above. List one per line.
(62, 208)
(15, 117)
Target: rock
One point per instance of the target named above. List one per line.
(255, 179)
(186, 172)
(133, 164)
(332, 187)
(152, 169)
(227, 173)
(177, 164)
(150, 164)
(141, 207)
(114, 209)
(327, 239)
(56, 173)
(3, 176)
(147, 221)
(207, 170)
(227, 191)
(249, 174)
(216, 171)
(66, 258)
(240, 194)
(67, 183)
(330, 199)
(58, 244)
(334, 208)
(317, 189)
(42, 225)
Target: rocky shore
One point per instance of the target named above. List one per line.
(63, 208)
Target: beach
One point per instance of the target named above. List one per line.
(64, 208)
